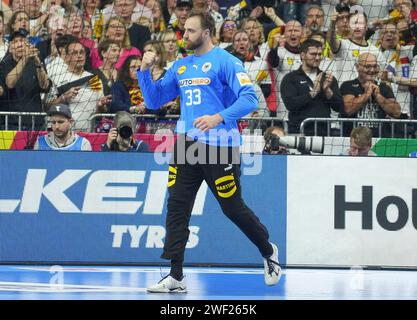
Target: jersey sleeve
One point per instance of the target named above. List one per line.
(157, 93)
(236, 78)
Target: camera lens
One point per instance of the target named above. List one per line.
(125, 132)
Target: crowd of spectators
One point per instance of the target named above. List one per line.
(84, 53)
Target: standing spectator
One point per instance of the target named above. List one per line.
(158, 22)
(37, 17)
(398, 59)
(347, 51)
(182, 10)
(20, 20)
(256, 68)
(62, 136)
(227, 30)
(115, 30)
(298, 9)
(3, 44)
(285, 59)
(204, 6)
(169, 40)
(109, 52)
(129, 11)
(75, 27)
(256, 35)
(126, 94)
(360, 142)
(81, 90)
(308, 92)
(25, 78)
(366, 98)
(314, 21)
(168, 10)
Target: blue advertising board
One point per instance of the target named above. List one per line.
(110, 208)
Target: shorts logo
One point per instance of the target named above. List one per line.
(244, 79)
(181, 69)
(172, 176)
(226, 186)
(206, 67)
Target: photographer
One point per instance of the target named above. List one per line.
(271, 136)
(120, 137)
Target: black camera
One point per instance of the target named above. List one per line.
(302, 144)
(125, 132)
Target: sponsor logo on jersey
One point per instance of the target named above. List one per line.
(355, 53)
(243, 78)
(194, 82)
(206, 67)
(226, 186)
(290, 61)
(181, 69)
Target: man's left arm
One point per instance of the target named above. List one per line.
(386, 99)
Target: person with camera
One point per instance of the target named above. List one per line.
(271, 137)
(360, 143)
(215, 92)
(309, 92)
(62, 136)
(121, 138)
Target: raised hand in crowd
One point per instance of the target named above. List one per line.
(316, 86)
(327, 81)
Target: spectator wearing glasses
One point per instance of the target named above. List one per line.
(367, 98)
(227, 30)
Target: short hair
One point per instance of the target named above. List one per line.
(76, 41)
(314, 6)
(64, 40)
(206, 20)
(310, 43)
(269, 130)
(104, 46)
(362, 136)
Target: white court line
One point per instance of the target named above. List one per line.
(62, 288)
(135, 270)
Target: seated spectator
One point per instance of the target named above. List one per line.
(81, 90)
(169, 40)
(61, 137)
(367, 98)
(115, 30)
(310, 93)
(109, 52)
(24, 79)
(121, 138)
(360, 142)
(271, 136)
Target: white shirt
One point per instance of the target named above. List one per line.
(83, 105)
(288, 62)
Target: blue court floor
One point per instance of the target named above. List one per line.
(125, 283)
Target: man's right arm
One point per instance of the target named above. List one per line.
(14, 75)
(156, 93)
(332, 38)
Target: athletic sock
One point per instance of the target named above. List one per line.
(176, 270)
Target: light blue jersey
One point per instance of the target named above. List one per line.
(215, 82)
(74, 146)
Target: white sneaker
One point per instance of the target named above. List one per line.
(168, 285)
(272, 269)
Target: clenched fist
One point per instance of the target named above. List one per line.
(148, 60)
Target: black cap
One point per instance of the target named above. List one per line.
(184, 3)
(60, 109)
(19, 33)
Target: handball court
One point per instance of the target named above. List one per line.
(129, 283)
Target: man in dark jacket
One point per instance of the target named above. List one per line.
(309, 92)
